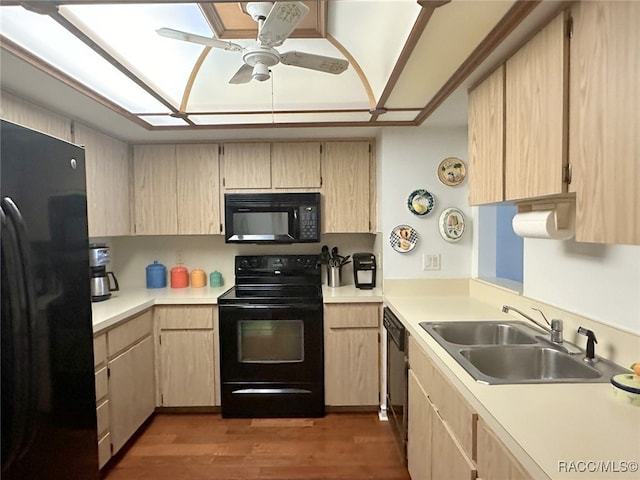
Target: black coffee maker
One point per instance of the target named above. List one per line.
(364, 270)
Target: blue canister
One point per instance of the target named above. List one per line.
(215, 279)
(156, 275)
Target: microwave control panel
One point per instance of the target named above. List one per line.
(309, 224)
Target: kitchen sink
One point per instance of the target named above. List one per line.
(481, 333)
(527, 363)
(499, 353)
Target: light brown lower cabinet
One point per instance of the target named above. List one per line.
(441, 435)
(186, 366)
(351, 354)
(494, 460)
(131, 391)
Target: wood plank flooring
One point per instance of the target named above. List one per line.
(354, 446)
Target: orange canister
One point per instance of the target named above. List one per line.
(198, 278)
(179, 277)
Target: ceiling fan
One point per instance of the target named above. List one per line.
(275, 24)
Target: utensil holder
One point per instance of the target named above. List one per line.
(334, 276)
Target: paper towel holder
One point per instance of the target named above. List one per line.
(563, 215)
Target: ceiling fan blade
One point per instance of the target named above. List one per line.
(193, 38)
(243, 75)
(281, 22)
(314, 62)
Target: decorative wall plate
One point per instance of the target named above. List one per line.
(403, 238)
(420, 202)
(452, 171)
(451, 224)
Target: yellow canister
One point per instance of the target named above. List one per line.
(198, 278)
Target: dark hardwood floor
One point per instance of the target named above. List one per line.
(354, 446)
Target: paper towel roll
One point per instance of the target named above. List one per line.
(540, 224)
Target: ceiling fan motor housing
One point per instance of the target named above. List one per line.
(259, 10)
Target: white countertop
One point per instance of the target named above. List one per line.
(543, 425)
(131, 301)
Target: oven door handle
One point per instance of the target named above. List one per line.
(271, 391)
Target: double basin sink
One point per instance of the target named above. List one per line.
(497, 352)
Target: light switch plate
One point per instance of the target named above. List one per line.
(431, 261)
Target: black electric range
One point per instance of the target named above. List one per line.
(271, 338)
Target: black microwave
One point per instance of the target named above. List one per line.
(272, 217)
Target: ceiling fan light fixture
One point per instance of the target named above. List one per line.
(260, 72)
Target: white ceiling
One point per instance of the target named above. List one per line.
(373, 32)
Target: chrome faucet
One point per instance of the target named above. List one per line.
(554, 329)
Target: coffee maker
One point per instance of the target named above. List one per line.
(99, 258)
(364, 270)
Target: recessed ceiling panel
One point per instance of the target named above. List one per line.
(374, 33)
(129, 34)
(48, 40)
(162, 120)
(443, 47)
(280, 118)
(399, 116)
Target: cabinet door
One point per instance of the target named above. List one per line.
(186, 368)
(536, 115)
(247, 165)
(494, 460)
(486, 140)
(198, 189)
(447, 457)
(154, 174)
(345, 187)
(351, 354)
(131, 391)
(419, 431)
(22, 112)
(295, 165)
(604, 121)
(107, 164)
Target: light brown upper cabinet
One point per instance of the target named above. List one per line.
(107, 165)
(246, 166)
(176, 189)
(154, 177)
(198, 184)
(536, 114)
(605, 121)
(346, 191)
(486, 140)
(295, 165)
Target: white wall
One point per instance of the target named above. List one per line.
(598, 281)
(409, 160)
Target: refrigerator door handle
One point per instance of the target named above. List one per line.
(15, 388)
(27, 321)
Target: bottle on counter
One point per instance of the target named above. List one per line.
(156, 275)
(198, 278)
(179, 277)
(215, 279)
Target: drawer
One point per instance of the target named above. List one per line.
(352, 315)
(104, 450)
(102, 413)
(129, 333)
(102, 384)
(184, 318)
(99, 350)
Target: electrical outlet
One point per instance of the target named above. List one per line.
(431, 261)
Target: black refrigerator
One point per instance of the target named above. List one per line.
(48, 385)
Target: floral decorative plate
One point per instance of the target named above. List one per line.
(451, 224)
(403, 238)
(452, 171)
(420, 202)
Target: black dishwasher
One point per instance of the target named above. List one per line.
(397, 371)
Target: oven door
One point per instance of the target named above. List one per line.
(272, 360)
(275, 342)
